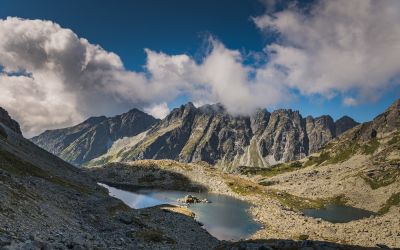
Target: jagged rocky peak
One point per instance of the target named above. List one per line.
(284, 138)
(212, 108)
(94, 120)
(386, 122)
(207, 133)
(181, 112)
(320, 130)
(93, 137)
(259, 120)
(344, 123)
(9, 122)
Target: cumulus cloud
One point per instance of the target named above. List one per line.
(159, 110)
(336, 47)
(51, 78)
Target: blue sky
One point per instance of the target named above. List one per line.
(182, 27)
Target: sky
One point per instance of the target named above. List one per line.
(63, 61)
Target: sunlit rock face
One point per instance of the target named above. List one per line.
(209, 133)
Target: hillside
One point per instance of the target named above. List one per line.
(360, 168)
(46, 203)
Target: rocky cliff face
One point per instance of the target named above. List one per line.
(343, 124)
(6, 120)
(384, 123)
(210, 134)
(94, 136)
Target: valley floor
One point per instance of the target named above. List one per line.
(277, 206)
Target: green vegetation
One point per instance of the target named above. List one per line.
(370, 147)
(395, 139)
(343, 154)
(394, 200)
(381, 179)
(303, 237)
(317, 160)
(298, 203)
(245, 187)
(271, 171)
(17, 166)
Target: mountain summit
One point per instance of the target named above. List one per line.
(93, 137)
(189, 134)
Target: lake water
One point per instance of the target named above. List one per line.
(338, 213)
(226, 218)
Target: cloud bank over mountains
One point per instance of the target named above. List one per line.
(51, 78)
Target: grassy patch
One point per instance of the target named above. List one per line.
(394, 200)
(271, 171)
(245, 187)
(317, 160)
(17, 166)
(298, 203)
(303, 237)
(334, 154)
(395, 139)
(371, 147)
(382, 179)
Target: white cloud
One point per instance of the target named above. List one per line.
(67, 79)
(349, 101)
(159, 111)
(52, 78)
(339, 46)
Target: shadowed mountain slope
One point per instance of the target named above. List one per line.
(93, 137)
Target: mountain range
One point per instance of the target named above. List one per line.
(189, 134)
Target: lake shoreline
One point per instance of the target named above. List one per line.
(224, 217)
(279, 220)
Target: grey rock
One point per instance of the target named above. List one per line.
(6, 120)
(94, 136)
(208, 133)
(343, 124)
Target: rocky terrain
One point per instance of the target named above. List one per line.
(207, 133)
(361, 168)
(94, 136)
(46, 203)
(9, 122)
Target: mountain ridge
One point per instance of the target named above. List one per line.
(209, 133)
(94, 136)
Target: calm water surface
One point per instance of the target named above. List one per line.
(338, 213)
(225, 217)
